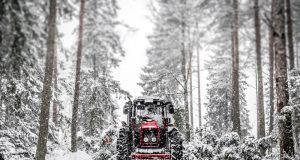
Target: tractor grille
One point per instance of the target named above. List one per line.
(150, 137)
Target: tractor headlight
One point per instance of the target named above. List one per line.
(153, 139)
(146, 139)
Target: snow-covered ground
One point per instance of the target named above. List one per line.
(67, 155)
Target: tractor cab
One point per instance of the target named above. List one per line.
(149, 110)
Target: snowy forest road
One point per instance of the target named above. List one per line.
(230, 68)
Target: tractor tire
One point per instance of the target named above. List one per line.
(176, 145)
(122, 145)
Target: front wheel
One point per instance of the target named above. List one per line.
(122, 145)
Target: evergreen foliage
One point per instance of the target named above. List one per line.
(22, 45)
(218, 117)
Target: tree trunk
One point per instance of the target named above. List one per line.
(271, 70)
(47, 93)
(297, 54)
(191, 90)
(1, 17)
(1, 107)
(290, 34)
(185, 92)
(184, 75)
(199, 87)
(260, 89)
(235, 71)
(77, 81)
(2, 112)
(285, 122)
(55, 101)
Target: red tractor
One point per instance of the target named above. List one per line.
(149, 132)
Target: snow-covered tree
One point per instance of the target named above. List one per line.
(47, 84)
(172, 42)
(295, 102)
(102, 51)
(23, 41)
(219, 96)
(282, 91)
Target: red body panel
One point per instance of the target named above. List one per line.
(151, 125)
(150, 156)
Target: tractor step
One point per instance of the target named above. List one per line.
(150, 156)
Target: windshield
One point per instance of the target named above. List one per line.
(149, 111)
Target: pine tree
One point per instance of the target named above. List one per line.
(285, 121)
(23, 36)
(55, 87)
(165, 75)
(47, 93)
(191, 90)
(260, 96)
(219, 97)
(235, 70)
(199, 88)
(21, 48)
(295, 102)
(271, 70)
(77, 81)
(296, 10)
(1, 17)
(290, 34)
(102, 51)
(167, 72)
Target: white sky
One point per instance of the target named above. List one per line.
(132, 13)
(135, 43)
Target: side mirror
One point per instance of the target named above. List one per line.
(171, 109)
(126, 108)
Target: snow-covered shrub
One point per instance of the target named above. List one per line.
(190, 151)
(14, 145)
(108, 145)
(202, 145)
(266, 143)
(207, 146)
(228, 147)
(249, 149)
(100, 146)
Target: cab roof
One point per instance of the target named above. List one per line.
(149, 99)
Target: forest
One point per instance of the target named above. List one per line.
(226, 71)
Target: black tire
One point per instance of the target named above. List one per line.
(176, 145)
(122, 145)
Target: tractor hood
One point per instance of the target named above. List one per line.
(149, 124)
